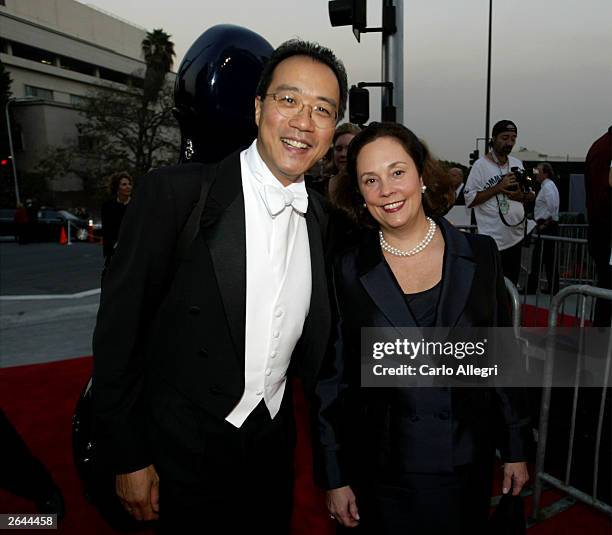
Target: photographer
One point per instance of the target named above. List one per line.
(497, 188)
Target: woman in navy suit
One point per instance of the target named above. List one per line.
(412, 460)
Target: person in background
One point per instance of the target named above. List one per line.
(342, 137)
(493, 191)
(546, 215)
(399, 460)
(342, 229)
(23, 474)
(21, 224)
(456, 176)
(598, 184)
(32, 208)
(120, 186)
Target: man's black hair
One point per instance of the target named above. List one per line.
(297, 47)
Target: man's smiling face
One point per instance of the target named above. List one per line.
(291, 146)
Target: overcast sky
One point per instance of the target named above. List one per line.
(551, 60)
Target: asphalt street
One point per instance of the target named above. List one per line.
(49, 296)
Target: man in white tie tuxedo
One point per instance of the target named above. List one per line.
(191, 359)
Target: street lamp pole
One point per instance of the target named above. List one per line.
(487, 121)
(392, 49)
(10, 138)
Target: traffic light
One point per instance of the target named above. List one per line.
(359, 105)
(348, 13)
(474, 156)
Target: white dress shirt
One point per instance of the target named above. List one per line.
(278, 285)
(547, 201)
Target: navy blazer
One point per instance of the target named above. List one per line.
(365, 431)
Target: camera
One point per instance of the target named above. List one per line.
(523, 179)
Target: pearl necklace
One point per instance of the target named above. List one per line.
(416, 249)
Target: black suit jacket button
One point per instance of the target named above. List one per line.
(203, 353)
(194, 310)
(444, 415)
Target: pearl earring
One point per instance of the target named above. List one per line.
(365, 205)
(423, 188)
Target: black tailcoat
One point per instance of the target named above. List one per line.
(183, 325)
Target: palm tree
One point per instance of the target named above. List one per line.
(159, 55)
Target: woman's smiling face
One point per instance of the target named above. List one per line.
(389, 183)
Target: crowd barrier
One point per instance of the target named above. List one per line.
(581, 448)
(571, 259)
(571, 263)
(81, 234)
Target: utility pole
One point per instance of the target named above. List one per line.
(487, 120)
(10, 138)
(353, 13)
(393, 59)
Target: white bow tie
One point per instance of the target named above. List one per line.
(276, 198)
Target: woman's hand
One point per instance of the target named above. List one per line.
(515, 476)
(342, 505)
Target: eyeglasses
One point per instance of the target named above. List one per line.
(323, 115)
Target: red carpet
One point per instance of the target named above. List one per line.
(538, 317)
(39, 401)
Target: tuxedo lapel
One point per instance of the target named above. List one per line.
(457, 275)
(225, 234)
(319, 298)
(317, 262)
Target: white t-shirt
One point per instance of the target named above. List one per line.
(484, 175)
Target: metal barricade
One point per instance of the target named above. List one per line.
(571, 259)
(584, 292)
(579, 231)
(515, 304)
(75, 233)
(571, 264)
(566, 230)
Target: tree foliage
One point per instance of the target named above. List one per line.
(126, 128)
(117, 133)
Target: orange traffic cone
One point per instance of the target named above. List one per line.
(63, 238)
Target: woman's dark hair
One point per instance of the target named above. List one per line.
(297, 47)
(341, 129)
(114, 180)
(438, 197)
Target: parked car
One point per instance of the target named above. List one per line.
(51, 222)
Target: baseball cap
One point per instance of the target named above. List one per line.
(504, 126)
